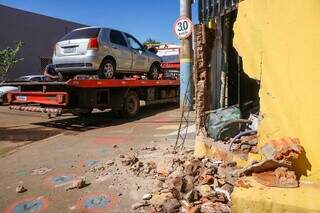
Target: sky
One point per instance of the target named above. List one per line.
(141, 18)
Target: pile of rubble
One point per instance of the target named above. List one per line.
(139, 168)
(277, 170)
(187, 184)
(190, 184)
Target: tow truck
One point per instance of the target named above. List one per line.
(80, 97)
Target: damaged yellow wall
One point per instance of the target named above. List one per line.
(279, 41)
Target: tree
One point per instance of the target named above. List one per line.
(151, 42)
(8, 58)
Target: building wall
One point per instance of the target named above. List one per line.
(279, 42)
(39, 34)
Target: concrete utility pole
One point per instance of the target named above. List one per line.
(186, 62)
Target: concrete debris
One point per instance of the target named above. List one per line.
(110, 163)
(40, 171)
(205, 190)
(147, 196)
(78, 183)
(281, 177)
(286, 149)
(242, 182)
(139, 205)
(215, 207)
(171, 205)
(263, 166)
(129, 160)
(99, 167)
(20, 188)
(187, 182)
(245, 144)
(153, 148)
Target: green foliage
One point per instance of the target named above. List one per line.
(151, 42)
(8, 58)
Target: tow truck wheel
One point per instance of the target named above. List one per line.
(131, 105)
(81, 112)
(107, 69)
(154, 72)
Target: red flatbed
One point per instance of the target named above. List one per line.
(122, 96)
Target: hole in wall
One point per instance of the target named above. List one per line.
(241, 89)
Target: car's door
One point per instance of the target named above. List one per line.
(140, 59)
(121, 51)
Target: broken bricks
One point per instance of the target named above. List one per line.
(187, 183)
(129, 160)
(281, 177)
(77, 183)
(286, 149)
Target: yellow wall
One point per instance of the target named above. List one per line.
(279, 41)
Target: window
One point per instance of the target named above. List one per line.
(134, 43)
(116, 37)
(82, 33)
(103, 36)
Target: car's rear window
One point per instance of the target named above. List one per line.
(83, 33)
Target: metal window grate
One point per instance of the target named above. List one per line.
(209, 9)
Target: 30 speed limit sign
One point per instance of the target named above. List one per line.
(183, 27)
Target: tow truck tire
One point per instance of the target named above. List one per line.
(131, 105)
(107, 69)
(154, 72)
(81, 112)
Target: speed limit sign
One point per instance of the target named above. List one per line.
(183, 27)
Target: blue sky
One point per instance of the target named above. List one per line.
(142, 18)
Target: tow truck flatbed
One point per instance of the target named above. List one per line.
(80, 97)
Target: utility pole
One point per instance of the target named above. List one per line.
(186, 63)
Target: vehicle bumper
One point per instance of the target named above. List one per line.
(76, 64)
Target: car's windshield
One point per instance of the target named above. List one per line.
(82, 33)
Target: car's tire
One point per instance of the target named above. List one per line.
(107, 69)
(154, 71)
(131, 105)
(81, 112)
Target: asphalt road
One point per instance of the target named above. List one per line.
(65, 145)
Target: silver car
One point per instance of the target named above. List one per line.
(105, 52)
(4, 90)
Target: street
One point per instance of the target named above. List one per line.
(44, 155)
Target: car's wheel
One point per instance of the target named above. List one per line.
(154, 72)
(82, 112)
(107, 69)
(131, 105)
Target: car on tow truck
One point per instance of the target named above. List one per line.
(104, 52)
(4, 90)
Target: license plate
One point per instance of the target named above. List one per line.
(69, 50)
(21, 98)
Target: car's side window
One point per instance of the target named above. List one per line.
(103, 35)
(134, 44)
(116, 37)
